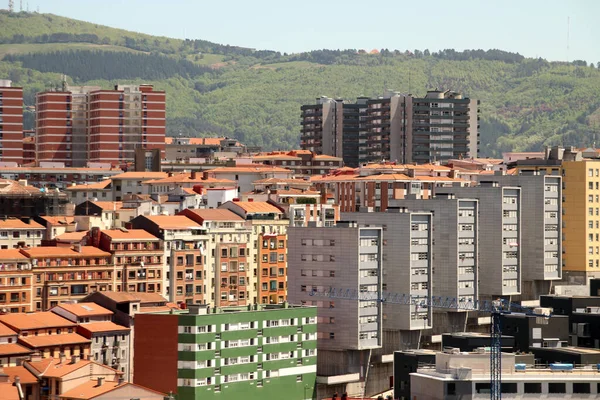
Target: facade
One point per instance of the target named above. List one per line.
(184, 241)
(405, 363)
(137, 256)
(87, 124)
(408, 240)
(500, 236)
(62, 273)
(10, 350)
(467, 375)
(186, 149)
(349, 257)
(541, 245)
(228, 264)
(246, 174)
(438, 127)
(130, 183)
(255, 352)
(18, 233)
(302, 162)
(533, 332)
(15, 281)
(11, 122)
(56, 175)
(109, 341)
(584, 317)
(582, 219)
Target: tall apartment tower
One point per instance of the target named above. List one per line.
(542, 229)
(11, 122)
(397, 127)
(124, 119)
(89, 124)
(500, 236)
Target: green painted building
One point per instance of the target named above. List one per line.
(257, 352)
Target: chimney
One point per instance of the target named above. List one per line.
(100, 381)
(62, 358)
(170, 174)
(121, 380)
(250, 200)
(335, 396)
(205, 175)
(75, 359)
(193, 175)
(344, 396)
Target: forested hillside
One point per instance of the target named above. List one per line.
(255, 96)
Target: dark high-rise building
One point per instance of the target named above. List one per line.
(438, 127)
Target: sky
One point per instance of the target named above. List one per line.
(556, 30)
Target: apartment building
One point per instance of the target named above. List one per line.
(10, 350)
(245, 174)
(133, 183)
(302, 162)
(184, 241)
(228, 262)
(541, 247)
(138, 258)
(186, 180)
(457, 375)
(87, 124)
(56, 225)
(441, 126)
(268, 226)
(11, 122)
(347, 257)
(255, 352)
(62, 274)
(47, 333)
(18, 233)
(500, 236)
(455, 253)
(15, 281)
(183, 149)
(109, 341)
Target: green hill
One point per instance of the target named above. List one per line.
(255, 96)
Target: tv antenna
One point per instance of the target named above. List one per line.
(11, 5)
(568, 32)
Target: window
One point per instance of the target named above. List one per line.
(557, 387)
(451, 389)
(581, 387)
(331, 335)
(508, 387)
(533, 387)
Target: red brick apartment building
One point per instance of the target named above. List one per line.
(89, 124)
(11, 122)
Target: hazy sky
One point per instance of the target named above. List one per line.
(534, 28)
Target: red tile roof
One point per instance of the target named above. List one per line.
(123, 297)
(103, 326)
(12, 254)
(187, 178)
(173, 222)
(249, 169)
(38, 320)
(144, 176)
(64, 252)
(12, 187)
(216, 214)
(92, 186)
(23, 373)
(84, 309)
(8, 391)
(108, 205)
(15, 223)
(54, 368)
(58, 219)
(91, 390)
(53, 340)
(12, 349)
(6, 331)
(260, 207)
(130, 234)
(71, 236)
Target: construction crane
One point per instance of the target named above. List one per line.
(496, 308)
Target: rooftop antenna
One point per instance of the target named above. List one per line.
(11, 5)
(21, 5)
(568, 32)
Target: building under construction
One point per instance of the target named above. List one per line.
(19, 200)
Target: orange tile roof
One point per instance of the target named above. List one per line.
(38, 320)
(108, 205)
(8, 391)
(53, 340)
(58, 219)
(84, 309)
(385, 177)
(92, 186)
(275, 181)
(64, 252)
(326, 157)
(257, 207)
(334, 178)
(23, 373)
(140, 175)
(287, 157)
(11, 254)
(187, 178)
(249, 169)
(214, 214)
(15, 223)
(189, 190)
(9, 349)
(173, 221)
(130, 234)
(103, 326)
(71, 236)
(6, 331)
(209, 141)
(294, 192)
(123, 297)
(155, 309)
(90, 390)
(54, 368)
